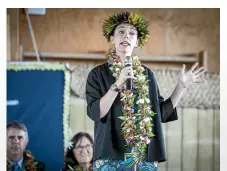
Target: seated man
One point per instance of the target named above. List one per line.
(18, 158)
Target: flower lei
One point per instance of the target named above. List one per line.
(136, 126)
(29, 163)
(75, 168)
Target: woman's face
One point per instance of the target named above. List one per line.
(125, 38)
(83, 151)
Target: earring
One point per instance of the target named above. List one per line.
(113, 46)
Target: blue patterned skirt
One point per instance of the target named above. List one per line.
(106, 164)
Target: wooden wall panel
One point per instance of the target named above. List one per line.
(14, 33)
(8, 39)
(173, 31)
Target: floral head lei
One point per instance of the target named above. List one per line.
(136, 126)
(134, 19)
(29, 163)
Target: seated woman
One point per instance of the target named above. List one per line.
(79, 156)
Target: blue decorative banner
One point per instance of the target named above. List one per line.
(38, 95)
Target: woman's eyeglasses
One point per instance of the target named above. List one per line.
(87, 147)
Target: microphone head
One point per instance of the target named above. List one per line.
(128, 61)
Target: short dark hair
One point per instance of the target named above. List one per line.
(69, 157)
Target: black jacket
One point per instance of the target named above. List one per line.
(108, 140)
(41, 166)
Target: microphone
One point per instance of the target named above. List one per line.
(128, 62)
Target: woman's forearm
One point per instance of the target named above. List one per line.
(106, 102)
(177, 93)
